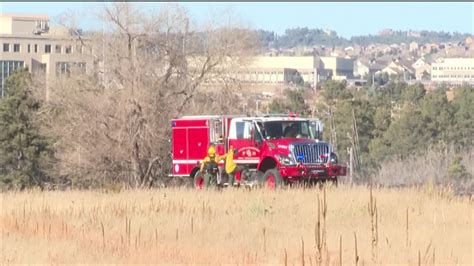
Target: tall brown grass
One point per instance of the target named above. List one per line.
(429, 168)
(291, 227)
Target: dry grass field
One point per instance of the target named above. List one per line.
(171, 226)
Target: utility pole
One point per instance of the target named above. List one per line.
(373, 81)
(333, 130)
(351, 163)
(315, 81)
(355, 143)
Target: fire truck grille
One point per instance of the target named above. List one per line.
(311, 153)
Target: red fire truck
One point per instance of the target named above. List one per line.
(273, 149)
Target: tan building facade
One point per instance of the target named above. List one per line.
(453, 71)
(27, 41)
(281, 69)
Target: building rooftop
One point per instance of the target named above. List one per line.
(25, 16)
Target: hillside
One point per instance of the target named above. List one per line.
(295, 37)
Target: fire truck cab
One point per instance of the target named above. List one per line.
(273, 149)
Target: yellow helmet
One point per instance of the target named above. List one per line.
(211, 151)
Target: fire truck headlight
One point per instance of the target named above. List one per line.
(333, 158)
(285, 159)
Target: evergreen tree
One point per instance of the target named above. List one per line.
(405, 136)
(413, 94)
(293, 101)
(334, 91)
(364, 117)
(457, 170)
(394, 90)
(462, 131)
(436, 115)
(24, 152)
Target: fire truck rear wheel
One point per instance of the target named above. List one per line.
(272, 179)
(200, 181)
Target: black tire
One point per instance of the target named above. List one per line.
(200, 181)
(272, 179)
(244, 175)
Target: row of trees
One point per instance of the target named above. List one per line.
(393, 122)
(295, 37)
(111, 126)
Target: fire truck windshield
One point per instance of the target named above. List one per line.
(285, 129)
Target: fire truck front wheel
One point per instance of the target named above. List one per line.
(200, 181)
(272, 179)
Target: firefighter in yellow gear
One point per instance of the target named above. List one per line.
(209, 165)
(231, 168)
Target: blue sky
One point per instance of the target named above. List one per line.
(347, 19)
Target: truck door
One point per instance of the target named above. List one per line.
(241, 136)
(180, 151)
(198, 139)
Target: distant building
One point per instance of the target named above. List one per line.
(386, 32)
(401, 68)
(453, 71)
(422, 68)
(415, 34)
(329, 32)
(365, 67)
(469, 41)
(283, 69)
(28, 41)
(349, 49)
(429, 48)
(456, 51)
(413, 47)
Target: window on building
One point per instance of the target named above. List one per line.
(47, 49)
(57, 49)
(66, 68)
(28, 48)
(62, 68)
(81, 66)
(36, 48)
(6, 47)
(16, 48)
(68, 49)
(434, 68)
(6, 69)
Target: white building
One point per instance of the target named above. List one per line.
(453, 71)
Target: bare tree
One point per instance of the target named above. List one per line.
(114, 124)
